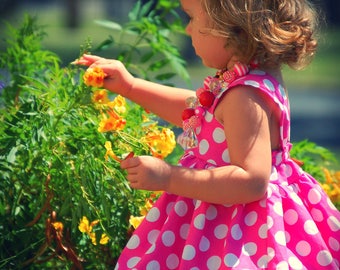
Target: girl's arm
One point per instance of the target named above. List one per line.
(167, 102)
(246, 116)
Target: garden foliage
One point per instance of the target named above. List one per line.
(57, 170)
(64, 201)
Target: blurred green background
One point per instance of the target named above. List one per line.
(314, 92)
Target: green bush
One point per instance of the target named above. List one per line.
(53, 170)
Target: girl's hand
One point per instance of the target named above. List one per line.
(147, 173)
(117, 78)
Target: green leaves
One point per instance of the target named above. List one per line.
(51, 154)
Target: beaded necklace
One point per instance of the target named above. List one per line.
(197, 106)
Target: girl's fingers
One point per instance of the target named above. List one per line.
(87, 60)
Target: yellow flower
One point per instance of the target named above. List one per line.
(136, 221)
(104, 239)
(111, 123)
(146, 208)
(118, 104)
(100, 97)
(109, 152)
(331, 186)
(161, 143)
(94, 77)
(84, 225)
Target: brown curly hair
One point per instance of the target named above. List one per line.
(274, 32)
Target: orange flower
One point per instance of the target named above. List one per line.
(100, 97)
(94, 77)
(111, 123)
(161, 143)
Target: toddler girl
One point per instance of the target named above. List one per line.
(236, 200)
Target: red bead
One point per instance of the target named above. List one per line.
(206, 98)
(187, 113)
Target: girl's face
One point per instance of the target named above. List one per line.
(211, 49)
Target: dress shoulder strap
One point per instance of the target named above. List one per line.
(268, 85)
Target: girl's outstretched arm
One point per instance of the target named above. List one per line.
(165, 101)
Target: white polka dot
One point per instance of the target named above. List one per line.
(287, 235)
(151, 249)
(296, 198)
(314, 196)
(153, 215)
(317, 215)
(211, 213)
(280, 238)
(172, 262)
(270, 253)
(189, 253)
(197, 203)
(251, 218)
(152, 236)
(168, 238)
(221, 231)
(236, 232)
(133, 262)
(310, 227)
(282, 91)
(133, 242)
(295, 263)
(209, 117)
(278, 208)
(263, 231)
(282, 266)
(291, 217)
(184, 231)
(231, 260)
(334, 244)
(218, 135)
(169, 207)
(225, 156)
(303, 248)
(153, 265)
(203, 147)
(252, 83)
(263, 262)
(234, 213)
(212, 163)
(199, 222)
(269, 85)
(214, 263)
(181, 208)
(204, 244)
(288, 170)
(270, 222)
(249, 249)
(324, 258)
(198, 130)
(333, 223)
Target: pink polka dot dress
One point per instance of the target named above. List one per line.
(295, 226)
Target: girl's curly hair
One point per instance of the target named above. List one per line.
(274, 32)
